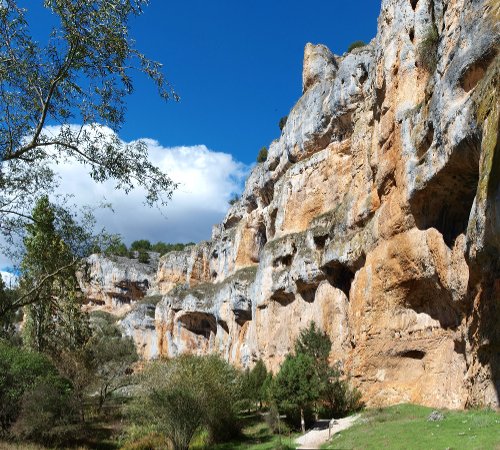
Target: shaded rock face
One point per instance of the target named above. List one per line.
(376, 215)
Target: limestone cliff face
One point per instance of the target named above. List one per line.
(115, 283)
(376, 214)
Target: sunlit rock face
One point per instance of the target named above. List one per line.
(376, 215)
(115, 283)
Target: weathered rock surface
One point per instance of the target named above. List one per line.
(376, 214)
(114, 283)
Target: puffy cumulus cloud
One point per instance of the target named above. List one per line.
(206, 181)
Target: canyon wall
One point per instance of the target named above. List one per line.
(376, 215)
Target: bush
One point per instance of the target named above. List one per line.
(262, 156)
(355, 44)
(427, 49)
(143, 257)
(179, 396)
(31, 391)
(282, 122)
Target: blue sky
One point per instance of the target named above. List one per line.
(237, 66)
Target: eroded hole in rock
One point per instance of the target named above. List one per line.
(411, 34)
(251, 205)
(232, 222)
(213, 275)
(413, 4)
(307, 291)
(260, 239)
(272, 225)
(320, 241)
(413, 354)
(241, 316)
(223, 325)
(267, 193)
(475, 72)
(427, 140)
(282, 297)
(199, 323)
(339, 276)
(446, 201)
(428, 296)
(285, 260)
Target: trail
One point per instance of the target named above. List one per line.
(317, 436)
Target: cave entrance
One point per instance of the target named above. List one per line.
(339, 276)
(445, 203)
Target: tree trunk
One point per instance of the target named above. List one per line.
(302, 421)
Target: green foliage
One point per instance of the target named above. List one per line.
(25, 378)
(180, 396)
(142, 244)
(282, 122)
(112, 355)
(143, 257)
(297, 386)
(262, 156)
(116, 247)
(81, 74)
(162, 248)
(427, 49)
(48, 283)
(315, 343)
(355, 44)
(252, 385)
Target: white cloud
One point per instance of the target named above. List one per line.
(206, 181)
(9, 279)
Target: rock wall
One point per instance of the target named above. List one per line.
(376, 214)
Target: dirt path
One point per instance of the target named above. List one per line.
(316, 437)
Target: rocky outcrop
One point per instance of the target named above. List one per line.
(376, 215)
(114, 283)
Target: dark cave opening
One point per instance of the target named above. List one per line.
(202, 324)
(339, 276)
(413, 4)
(445, 203)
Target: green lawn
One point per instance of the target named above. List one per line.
(256, 435)
(407, 427)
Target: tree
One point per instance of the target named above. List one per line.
(112, 354)
(81, 76)
(142, 244)
(253, 383)
(314, 342)
(262, 156)
(296, 386)
(53, 315)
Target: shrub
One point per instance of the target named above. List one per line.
(282, 122)
(262, 156)
(29, 388)
(355, 44)
(179, 396)
(427, 49)
(143, 257)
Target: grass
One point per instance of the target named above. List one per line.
(407, 427)
(256, 435)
